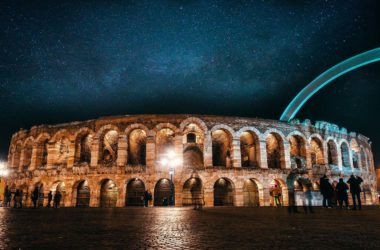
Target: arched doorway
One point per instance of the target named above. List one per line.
(83, 194)
(108, 194)
(192, 192)
(223, 193)
(135, 193)
(251, 194)
(276, 194)
(59, 187)
(40, 187)
(164, 193)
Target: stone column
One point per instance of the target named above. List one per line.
(266, 197)
(33, 161)
(207, 150)
(308, 156)
(239, 197)
(178, 149)
(209, 197)
(236, 154)
(263, 154)
(150, 153)
(339, 155)
(177, 194)
(52, 152)
(71, 157)
(286, 157)
(122, 153)
(21, 162)
(95, 152)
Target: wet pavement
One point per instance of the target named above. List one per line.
(184, 228)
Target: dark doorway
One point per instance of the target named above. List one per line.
(108, 194)
(251, 194)
(164, 193)
(223, 193)
(83, 194)
(135, 193)
(192, 192)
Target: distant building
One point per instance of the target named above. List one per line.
(222, 161)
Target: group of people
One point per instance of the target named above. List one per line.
(17, 198)
(340, 192)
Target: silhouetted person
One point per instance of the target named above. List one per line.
(146, 198)
(276, 192)
(8, 197)
(327, 191)
(35, 197)
(292, 208)
(307, 194)
(57, 199)
(165, 202)
(21, 197)
(50, 198)
(355, 190)
(341, 192)
(16, 199)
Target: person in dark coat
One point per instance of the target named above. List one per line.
(327, 191)
(146, 198)
(35, 197)
(57, 199)
(355, 190)
(50, 198)
(341, 191)
(16, 199)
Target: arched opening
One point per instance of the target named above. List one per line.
(332, 153)
(298, 192)
(164, 193)
(42, 152)
(363, 159)
(316, 152)
(276, 193)
(40, 190)
(251, 194)
(137, 147)
(297, 151)
(221, 148)
(275, 151)
(27, 154)
(249, 149)
(108, 194)
(59, 189)
(192, 193)
(83, 194)
(355, 151)
(193, 157)
(191, 138)
(83, 148)
(223, 193)
(108, 149)
(345, 155)
(135, 193)
(164, 141)
(62, 151)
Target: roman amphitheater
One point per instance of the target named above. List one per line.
(231, 161)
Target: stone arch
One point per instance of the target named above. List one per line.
(192, 192)
(195, 120)
(370, 165)
(83, 145)
(355, 152)
(317, 154)
(298, 149)
(59, 134)
(81, 193)
(193, 157)
(252, 193)
(363, 159)
(108, 193)
(42, 143)
(165, 140)
(332, 152)
(221, 136)
(278, 184)
(17, 154)
(164, 193)
(275, 146)
(134, 195)
(136, 141)
(224, 192)
(27, 152)
(161, 126)
(39, 188)
(249, 147)
(59, 187)
(345, 154)
(108, 138)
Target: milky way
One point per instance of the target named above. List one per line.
(66, 61)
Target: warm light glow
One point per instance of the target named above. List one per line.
(164, 162)
(171, 154)
(3, 169)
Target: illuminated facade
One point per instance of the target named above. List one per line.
(236, 161)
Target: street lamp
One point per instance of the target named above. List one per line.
(4, 172)
(170, 159)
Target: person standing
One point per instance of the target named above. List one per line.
(146, 198)
(35, 197)
(50, 198)
(355, 190)
(341, 190)
(16, 199)
(327, 191)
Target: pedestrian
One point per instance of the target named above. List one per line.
(355, 190)
(146, 198)
(327, 191)
(307, 195)
(21, 197)
(50, 198)
(35, 197)
(16, 199)
(56, 199)
(341, 191)
(276, 193)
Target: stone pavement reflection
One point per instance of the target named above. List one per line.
(184, 228)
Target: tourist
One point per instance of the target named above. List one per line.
(8, 197)
(146, 198)
(16, 199)
(355, 190)
(327, 191)
(307, 195)
(57, 199)
(50, 197)
(276, 193)
(35, 197)
(341, 191)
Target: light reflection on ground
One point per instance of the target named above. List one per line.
(184, 228)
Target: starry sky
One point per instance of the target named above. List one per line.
(63, 61)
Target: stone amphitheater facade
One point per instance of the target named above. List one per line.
(111, 161)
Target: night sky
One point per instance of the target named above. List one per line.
(67, 61)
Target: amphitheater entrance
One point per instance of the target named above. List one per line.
(108, 194)
(192, 192)
(276, 194)
(164, 193)
(223, 193)
(40, 188)
(83, 194)
(135, 193)
(59, 188)
(251, 194)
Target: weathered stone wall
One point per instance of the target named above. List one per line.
(231, 160)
